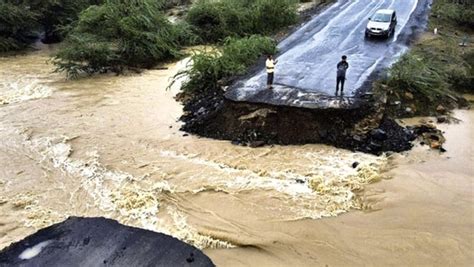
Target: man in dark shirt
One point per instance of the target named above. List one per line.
(342, 67)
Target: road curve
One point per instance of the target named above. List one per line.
(305, 75)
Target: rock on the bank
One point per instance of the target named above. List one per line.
(100, 242)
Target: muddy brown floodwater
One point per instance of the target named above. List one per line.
(111, 146)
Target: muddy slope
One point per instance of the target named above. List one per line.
(363, 129)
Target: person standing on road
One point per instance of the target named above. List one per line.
(270, 65)
(342, 67)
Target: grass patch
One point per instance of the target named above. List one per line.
(454, 12)
(213, 21)
(120, 35)
(429, 78)
(209, 70)
(414, 74)
(23, 22)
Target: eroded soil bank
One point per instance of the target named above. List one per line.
(365, 128)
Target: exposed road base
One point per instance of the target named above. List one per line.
(363, 129)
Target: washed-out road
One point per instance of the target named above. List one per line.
(305, 75)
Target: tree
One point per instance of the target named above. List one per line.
(22, 21)
(17, 25)
(56, 15)
(117, 35)
(213, 20)
(208, 70)
(459, 11)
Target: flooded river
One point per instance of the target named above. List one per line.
(111, 146)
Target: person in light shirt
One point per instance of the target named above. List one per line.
(270, 65)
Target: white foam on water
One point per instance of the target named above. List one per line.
(242, 179)
(326, 190)
(35, 216)
(34, 251)
(115, 192)
(324, 187)
(23, 89)
(182, 230)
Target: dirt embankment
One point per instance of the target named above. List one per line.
(364, 129)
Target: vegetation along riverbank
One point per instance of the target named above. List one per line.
(431, 77)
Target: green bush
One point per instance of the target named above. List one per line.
(418, 75)
(208, 21)
(86, 53)
(185, 35)
(118, 35)
(56, 15)
(21, 22)
(233, 59)
(272, 15)
(461, 12)
(436, 68)
(466, 82)
(213, 21)
(17, 26)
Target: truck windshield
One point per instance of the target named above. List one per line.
(379, 17)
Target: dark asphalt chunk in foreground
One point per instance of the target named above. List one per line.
(100, 242)
(306, 73)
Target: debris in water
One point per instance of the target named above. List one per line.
(429, 135)
(442, 119)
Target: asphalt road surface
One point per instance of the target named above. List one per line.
(100, 242)
(305, 75)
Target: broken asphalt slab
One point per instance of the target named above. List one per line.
(100, 242)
